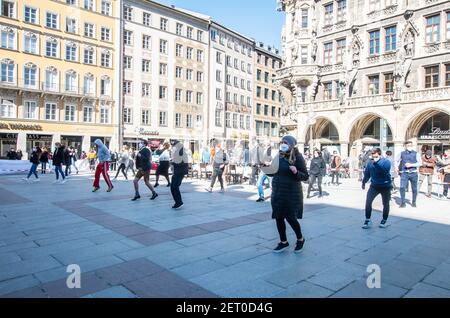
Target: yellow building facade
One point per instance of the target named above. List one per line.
(58, 79)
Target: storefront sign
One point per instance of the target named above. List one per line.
(437, 134)
(144, 132)
(11, 126)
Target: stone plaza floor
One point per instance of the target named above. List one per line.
(217, 245)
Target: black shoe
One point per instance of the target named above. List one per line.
(136, 197)
(169, 185)
(95, 189)
(156, 185)
(414, 205)
(154, 196)
(308, 196)
(281, 247)
(321, 195)
(177, 206)
(367, 224)
(260, 200)
(299, 246)
(403, 205)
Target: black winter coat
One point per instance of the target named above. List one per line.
(58, 156)
(66, 161)
(318, 167)
(44, 157)
(287, 193)
(34, 158)
(143, 159)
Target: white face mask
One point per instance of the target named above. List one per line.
(376, 159)
(284, 148)
(409, 148)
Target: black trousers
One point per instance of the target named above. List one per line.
(177, 179)
(446, 186)
(217, 174)
(281, 227)
(122, 168)
(312, 180)
(372, 194)
(335, 174)
(163, 170)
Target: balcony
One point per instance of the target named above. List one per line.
(296, 74)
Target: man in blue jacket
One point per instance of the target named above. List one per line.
(378, 171)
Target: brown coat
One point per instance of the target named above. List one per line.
(428, 165)
(338, 161)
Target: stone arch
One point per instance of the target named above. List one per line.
(365, 114)
(415, 120)
(321, 122)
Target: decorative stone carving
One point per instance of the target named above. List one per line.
(343, 85)
(409, 43)
(433, 47)
(373, 59)
(390, 9)
(314, 46)
(315, 87)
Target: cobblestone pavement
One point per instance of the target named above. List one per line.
(217, 245)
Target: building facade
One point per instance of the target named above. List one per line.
(165, 73)
(267, 109)
(58, 71)
(367, 73)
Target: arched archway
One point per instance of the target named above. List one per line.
(323, 133)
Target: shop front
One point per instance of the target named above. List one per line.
(7, 141)
(38, 140)
(435, 133)
(73, 141)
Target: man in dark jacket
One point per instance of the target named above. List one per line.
(12, 154)
(67, 162)
(34, 163)
(378, 171)
(317, 170)
(58, 160)
(144, 165)
(180, 169)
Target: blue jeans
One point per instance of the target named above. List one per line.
(260, 184)
(59, 170)
(404, 179)
(33, 171)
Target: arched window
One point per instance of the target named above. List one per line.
(8, 38)
(7, 71)
(89, 84)
(51, 79)
(31, 43)
(71, 81)
(29, 75)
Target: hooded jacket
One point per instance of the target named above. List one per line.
(103, 154)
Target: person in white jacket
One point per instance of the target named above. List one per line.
(123, 162)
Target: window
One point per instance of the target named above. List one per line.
(146, 19)
(145, 117)
(89, 55)
(189, 121)
(374, 42)
(242, 100)
(340, 49)
(30, 110)
(71, 25)
(179, 29)
(329, 14)
(106, 7)
(89, 30)
(71, 81)
(30, 45)
(199, 98)
(388, 83)
(236, 82)
(228, 120)
(235, 118)
(163, 46)
(162, 92)
(104, 115)
(218, 94)
(8, 39)
(447, 74)
(236, 64)
(214, 35)
(199, 56)
(178, 93)
(128, 13)
(88, 113)
(127, 62)
(249, 102)
(258, 75)
(31, 15)
(190, 32)
(219, 57)
(89, 85)
(178, 72)
(146, 42)
(7, 71)
(179, 50)
(51, 78)
(189, 74)
(199, 35)
(304, 54)
(163, 119)
(241, 122)
(127, 37)
(106, 34)
(8, 9)
(391, 39)
(266, 110)
(89, 5)
(51, 20)
(127, 118)
(328, 53)
(69, 114)
(432, 76)
(163, 24)
(163, 69)
(71, 52)
(146, 66)
(146, 89)
(177, 120)
(433, 28)
(29, 75)
(304, 18)
(105, 86)
(51, 48)
(390, 3)
(249, 68)
(374, 5)
(199, 77)
(374, 85)
(127, 87)
(266, 77)
(448, 26)
(50, 111)
(258, 92)
(249, 86)
(105, 59)
(328, 91)
(242, 84)
(189, 52)
(218, 76)
(341, 10)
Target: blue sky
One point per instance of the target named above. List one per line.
(256, 19)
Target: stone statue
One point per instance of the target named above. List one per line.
(409, 44)
(314, 87)
(356, 54)
(343, 83)
(314, 46)
(294, 50)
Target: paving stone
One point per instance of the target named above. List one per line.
(359, 289)
(152, 238)
(257, 288)
(404, 274)
(12, 270)
(32, 292)
(338, 276)
(424, 255)
(113, 292)
(440, 276)
(7, 258)
(187, 232)
(374, 256)
(200, 239)
(149, 250)
(304, 290)
(182, 256)
(90, 284)
(55, 248)
(237, 256)
(16, 284)
(422, 290)
(197, 268)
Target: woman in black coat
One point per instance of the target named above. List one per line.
(288, 170)
(317, 170)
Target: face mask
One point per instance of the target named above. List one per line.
(141, 146)
(376, 159)
(409, 149)
(284, 148)
(316, 156)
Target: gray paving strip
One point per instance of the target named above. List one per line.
(8, 197)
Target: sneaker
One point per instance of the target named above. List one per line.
(299, 246)
(136, 197)
(154, 196)
(110, 189)
(168, 185)
(37, 180)
(403, 205)
(414, 205)
(25, 179)
(260, 200)
(308, 196)
(96, 189)
(156, 185)
(55, 182)
(63, 181)
(209, 190)
(281, 247)
(177, 206)
(320, 195)
(222, 191)
(383, 224)
(367, 224)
